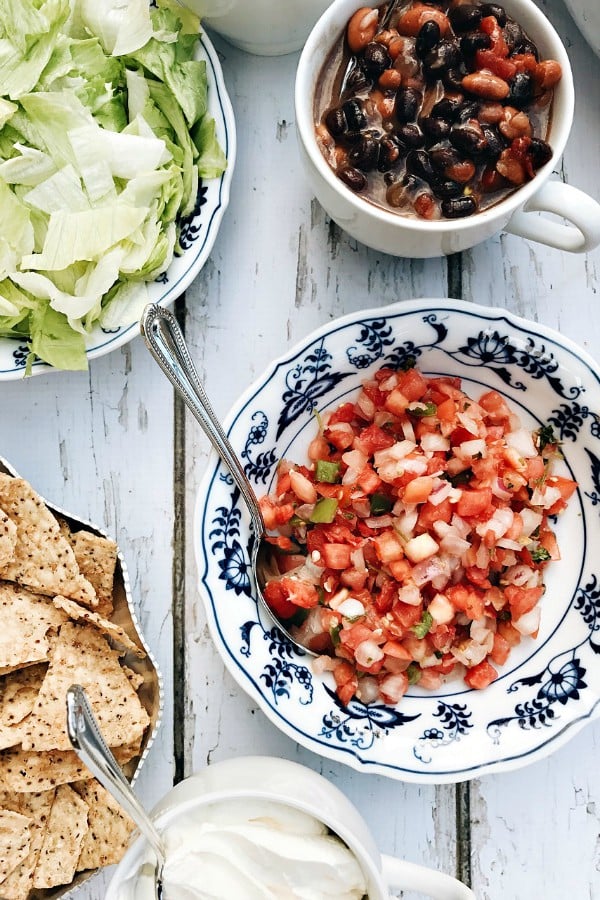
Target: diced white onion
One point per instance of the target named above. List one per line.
(434, 442)
(351, 608)
(379, 521)
(441, 610)
(468, 423)
(545, 497)
(393, 687)
(408, 430)
(365, 405)
(469, 449)
(368, 689)
(367, 653)
(410, 594)
(499, 524)
(420, 547)
(531, 520)
(499, 490)
(522, 441)
(440, 492)
(529, 622)
(394, 453)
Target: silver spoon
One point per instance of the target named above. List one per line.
(167, 345)
(91, 748)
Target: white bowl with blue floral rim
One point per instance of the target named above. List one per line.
(198, 233)
(550, 686)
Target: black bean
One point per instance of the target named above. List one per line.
(357, 80)
(526, 46)
(355, 115)
(365, 154)
(471, 43)
(459, 207)
(522, 90)
(446, 189)
(539, 152)
(494, 141)
(453, 77)
(410, 135)
(468, 138)
(465, 18)
(376, 59)
(419, 164)
(428, 36)
(469, 110)
(335, 120)
(445, 55)
(435, 129)
(352, 137)
(494, 9)
(408, 102)
(447, 108)
(390, 151)
(353, 178)
(442, 157)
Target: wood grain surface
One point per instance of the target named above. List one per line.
(113, 445)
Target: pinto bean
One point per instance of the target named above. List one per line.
(362, 28)
(411, 21)
(547, 73)
(486, 85)
(390, 80)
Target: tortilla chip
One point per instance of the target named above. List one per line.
(81, 614)
(15, 841)
(97, 559)
(136, 679)
(37, 808)
(25, 621)
(42, 559)
(109, 828)
(67, 826)
(8, 538)
(18, 693)
(82, 656)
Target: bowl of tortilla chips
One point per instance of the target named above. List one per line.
(66, 616)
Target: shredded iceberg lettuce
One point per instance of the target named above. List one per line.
(104, 134)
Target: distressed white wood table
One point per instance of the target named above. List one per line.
(114, 446)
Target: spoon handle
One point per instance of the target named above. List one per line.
(167, 345)
(87, 741)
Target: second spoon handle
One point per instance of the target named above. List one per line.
(167, 345)
(89, 744)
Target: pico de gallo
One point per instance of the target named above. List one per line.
(413, 543)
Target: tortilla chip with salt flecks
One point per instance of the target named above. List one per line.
(18, 884)
(18, 693)
(15, 841)
(25, 771)
(109, 828)
(97, 559)
(67, 826)
(43, 558)
(81, 655)
(82, 614)
(26, 622)
(8, 538)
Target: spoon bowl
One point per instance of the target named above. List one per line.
(167, 345)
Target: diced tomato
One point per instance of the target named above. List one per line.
(418, 489)
(500, 650)
(286, 562)
(521, 600)
(524, 62)
(396, 402)
(346, 682)
(344, 413)
(534, 470)
(397, 650)
(284, 543)
(353, 635)
(374, 438)
(429, 513)
(489, 25)
(508, 632)
(389, 546)
(412, 384)
(341, 438)
(567, 488)
(442, 637)
(278, 600)
(481, 675)
(273, 514)
(355, 579)
(336, 556)
(495, 405)
(478, 576)
(446, 410)
(386, 597)
(467, 599)
(401, 570)
(407, 615)
(369, 480)
(487, 59)
(474, 503)
(547, 540)
(300, 593)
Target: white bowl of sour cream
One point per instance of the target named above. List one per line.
(261, 828)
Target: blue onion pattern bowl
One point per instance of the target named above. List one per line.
(550, 686)
(198, 233)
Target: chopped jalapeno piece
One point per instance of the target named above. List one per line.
(540, 554)
(324, 511)
(422, 627)
(334, 634)
(422, 410)
(414, 673)
(380, 504)
(460, 478)
(328, 472)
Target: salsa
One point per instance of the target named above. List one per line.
(412, 544)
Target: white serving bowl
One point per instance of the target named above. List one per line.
(412, 237)
(550, 687)
(587, 15)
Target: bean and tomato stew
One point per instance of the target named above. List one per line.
(438, 113)
(413, 542)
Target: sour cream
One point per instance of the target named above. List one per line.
(251, 849)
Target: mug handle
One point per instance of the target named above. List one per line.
(581, 211)
(398, 873)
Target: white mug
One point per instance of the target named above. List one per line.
(400, 235)
(264, 27)
(283, 782)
